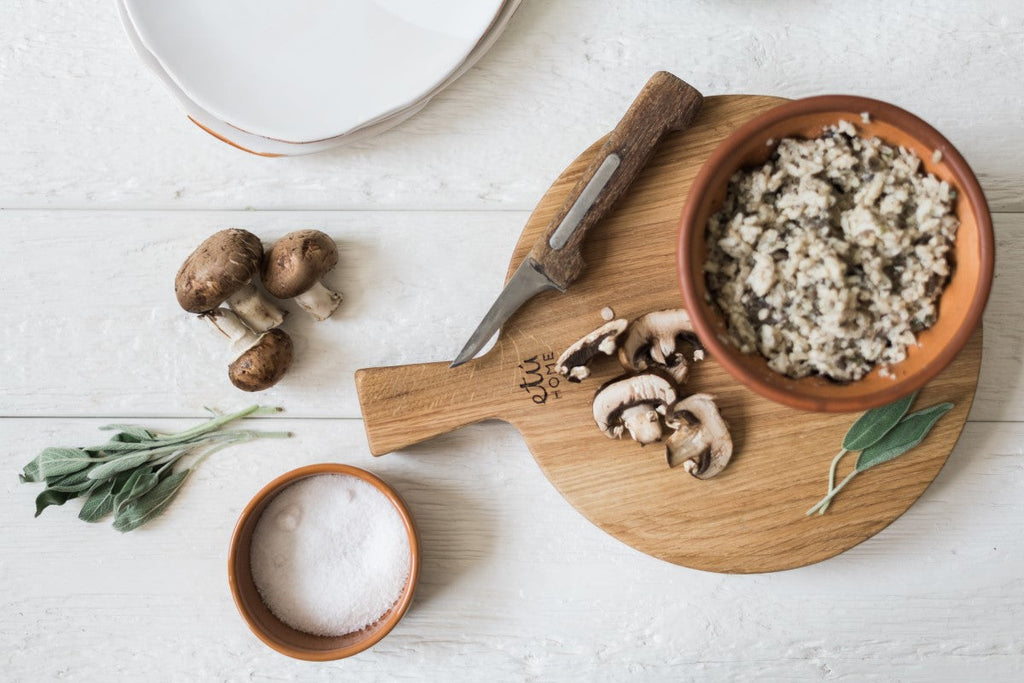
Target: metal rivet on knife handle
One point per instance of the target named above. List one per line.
(586, 199)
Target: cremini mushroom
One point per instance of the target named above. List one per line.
(574, 363)
(701, 442)
(295, 266)
(635, 404)
(220, 270)
(262, 364)
(661, 339)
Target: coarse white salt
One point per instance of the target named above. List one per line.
(330, 555)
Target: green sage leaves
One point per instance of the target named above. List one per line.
(910, 431)
(869, 428)
(127, 461)
(99, 504)
(881, 435)
(145, 508)
(50, 497)
(55, 462)
(876, 423)
(132, 474)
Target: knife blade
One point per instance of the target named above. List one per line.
(555, 261)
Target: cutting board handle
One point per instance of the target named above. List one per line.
(665, 103)
(405, 404)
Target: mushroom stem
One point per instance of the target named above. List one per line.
(254, 309)
(319, 301)
(229, 325)
(643, 423)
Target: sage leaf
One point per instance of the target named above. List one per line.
(99, 504)
(140, 511)
(76, 482)
(876, 423)
(130, 433)
(50, 497)
(31, 473)
(117, 447)
(139, 483)
(121, 464)
(906, 435)
(54, 462)
(132, 475)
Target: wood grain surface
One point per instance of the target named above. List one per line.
(748, 519)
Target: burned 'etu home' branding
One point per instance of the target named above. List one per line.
(539, 378)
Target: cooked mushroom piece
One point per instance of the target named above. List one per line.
(701, 442)
(661, 339)
(264, 363)
(220, 270)
(573, 363)
(635, 404)
(294, 268)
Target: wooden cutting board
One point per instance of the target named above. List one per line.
(748, 519)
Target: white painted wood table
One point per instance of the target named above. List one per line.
(105, 187)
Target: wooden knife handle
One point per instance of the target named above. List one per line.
(666, 103)
(405, 404)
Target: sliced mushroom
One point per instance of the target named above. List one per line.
(220, 270)
(573, 363)
(264, 363)
(661, 339)
(701, 442)
(635, 404)
(294, 268)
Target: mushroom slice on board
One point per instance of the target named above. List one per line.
(572, 364)
(634, 404)
(661, 339)
(263, 363)
(701, 442)
(294, 268)
(220, 270)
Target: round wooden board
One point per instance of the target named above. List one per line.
(748, 519)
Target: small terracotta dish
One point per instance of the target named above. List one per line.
(963, 299)
(269, 628)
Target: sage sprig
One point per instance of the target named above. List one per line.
(886, 439)
(132, 475)
(867, 430)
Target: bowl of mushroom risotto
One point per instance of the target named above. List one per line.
(835, 253)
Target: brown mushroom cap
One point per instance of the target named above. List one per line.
(224, 263)
(297, 262)
(264, 363)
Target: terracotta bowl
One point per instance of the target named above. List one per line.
(963, 300)
(269, 628)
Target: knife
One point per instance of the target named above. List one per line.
(664, 104)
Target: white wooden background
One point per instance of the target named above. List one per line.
(105, 187)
